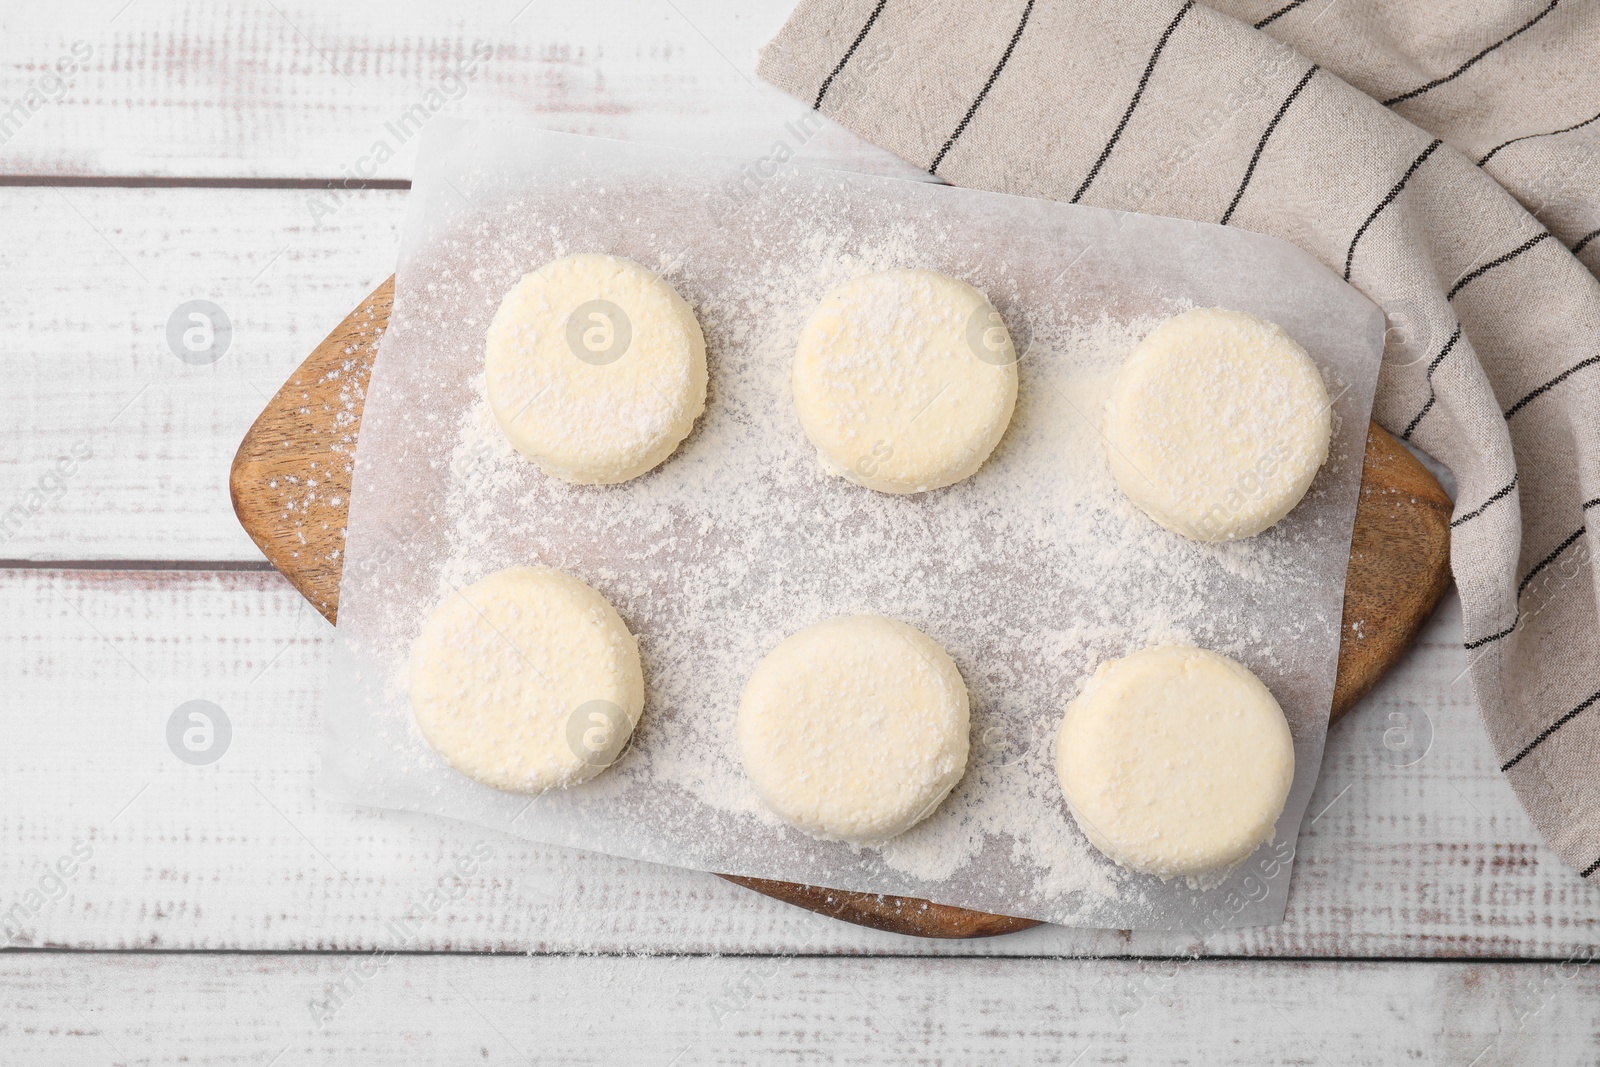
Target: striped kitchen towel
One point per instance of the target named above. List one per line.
(1445, 158)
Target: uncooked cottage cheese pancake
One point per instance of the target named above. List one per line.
(1175, 761)
(526, 680)
(1218, 424)
(905, 380)
(854, 729)
(596, 369)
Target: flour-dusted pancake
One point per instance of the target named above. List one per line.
(526, 679)
(1218, 424)
(596, 368)
(1175, 761)
(905, 380)
(854, 729)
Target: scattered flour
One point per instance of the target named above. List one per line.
(1030, 572)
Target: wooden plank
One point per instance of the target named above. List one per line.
(156, 1009)
(309, 90)
(1432, 859)
(89, 279)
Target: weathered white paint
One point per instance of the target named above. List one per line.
(305, 89)
(88, 281)
(184, 1009)
(1435, 859)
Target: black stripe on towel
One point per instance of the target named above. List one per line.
(1551, 384)
(1465, 280)
(1587, 871)
(1551, 558)
(1399, 187)
(1545, 733)
(1249, 172)
(1453, 75)
(1476, 273)
(1530, 136)
(1499, 495)
(1278, 14)
(1016, 35)
(1433, 365)
(1584, 241)
(1144, 80)
(1480, 642)
(827, 83)
(1526, 579)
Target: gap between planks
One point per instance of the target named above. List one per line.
(136, 565)
(112, 181)
(1581, 955)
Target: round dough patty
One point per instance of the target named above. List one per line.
(1175, 761)
(526, 679)
(1218, 423)
(905, 380)
(855, 728)
(596, 368)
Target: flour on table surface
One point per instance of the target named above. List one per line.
(1030, 572)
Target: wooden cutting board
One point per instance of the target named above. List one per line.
(291, 489)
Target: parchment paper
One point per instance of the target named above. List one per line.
(1030, 572)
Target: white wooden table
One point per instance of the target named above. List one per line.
(163, 912)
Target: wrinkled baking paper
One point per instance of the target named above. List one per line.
(1029, 573)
